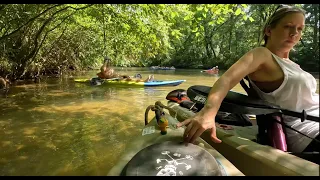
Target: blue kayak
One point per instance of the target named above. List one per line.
(164, 83)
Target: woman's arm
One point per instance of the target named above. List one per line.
(250, 62)
(247, 64)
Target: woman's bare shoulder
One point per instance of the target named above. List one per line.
(261, 50)
(262, 54)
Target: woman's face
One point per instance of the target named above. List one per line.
(287, 33)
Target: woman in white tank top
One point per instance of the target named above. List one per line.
(275, 78)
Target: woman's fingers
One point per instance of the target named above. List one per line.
(186, 131)
(214, 136)
(183, 123)
(195, 127)
(196, 135)
(190, 133)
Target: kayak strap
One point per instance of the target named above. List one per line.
(250, 91)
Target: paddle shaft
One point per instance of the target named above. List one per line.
(303, 115)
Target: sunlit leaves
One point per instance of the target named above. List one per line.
(199, 8)
(245, 17)
(176, 33)
(126, 26)
(244, 5)
(220, 20)
(173, 14)
(195, 30)
(162, 6)
(238, 11)
(188, 17)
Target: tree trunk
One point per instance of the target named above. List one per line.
(230, 38)
(208, 50)
(236, 42)
(104, 30)
(207, 40)
(212, 49)
(221, 44)
(315, 26)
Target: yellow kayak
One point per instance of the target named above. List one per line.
(134, 83)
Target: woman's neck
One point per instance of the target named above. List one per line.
(279, 52)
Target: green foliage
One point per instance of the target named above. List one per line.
(42, 38)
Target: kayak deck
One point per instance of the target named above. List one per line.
(173, 135)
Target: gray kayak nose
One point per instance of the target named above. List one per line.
(172, 158)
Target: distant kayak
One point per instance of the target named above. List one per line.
(210, 71)
(135, 83)
(162, 68)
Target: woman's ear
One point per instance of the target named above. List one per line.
(267, 31)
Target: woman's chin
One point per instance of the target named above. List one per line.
(287, 46)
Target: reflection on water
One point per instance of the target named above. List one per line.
(59, 127)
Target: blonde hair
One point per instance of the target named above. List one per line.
(274, 19)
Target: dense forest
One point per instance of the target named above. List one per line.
(38, 39)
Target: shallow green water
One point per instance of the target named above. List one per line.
(59, 127)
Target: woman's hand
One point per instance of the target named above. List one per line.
(197, 124)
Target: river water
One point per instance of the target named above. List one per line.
(59, 127)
